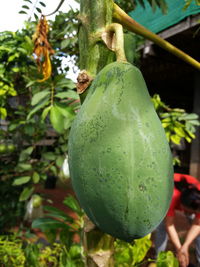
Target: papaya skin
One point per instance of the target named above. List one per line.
(119, 159)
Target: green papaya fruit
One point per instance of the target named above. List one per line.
(119, 159)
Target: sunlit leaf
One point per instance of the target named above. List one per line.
(3, 113)
(45, 112)
(72, 203)
(49, 156)
(46, 224)
(24, 154)
(24, 167)
(65, 43)
(175, 139)
(26, 193)
(21, 180)
(57, 213)
(68, 94)
(36, 177)
(38, 97)
(40, 105)
(57, 119)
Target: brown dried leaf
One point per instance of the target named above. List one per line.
(42, 48)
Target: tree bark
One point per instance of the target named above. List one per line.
(94, 16)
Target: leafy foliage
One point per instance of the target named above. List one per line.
(11, 210)
(35, 117)
(14, 252)
(166, 259)
(131, 254)
(57, 220)
(32, 8)
(178, 124)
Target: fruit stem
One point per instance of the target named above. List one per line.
(131, 25)
(114, 39)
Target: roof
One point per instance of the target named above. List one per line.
(157, 21)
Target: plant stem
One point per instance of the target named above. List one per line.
(116, 36)
(131, 25)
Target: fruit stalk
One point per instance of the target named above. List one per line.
(114, 39)
(130, 24)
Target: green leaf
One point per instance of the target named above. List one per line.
(36, 16)
(191, 116)
(13, 57)
(54, 212)
(24, 155)
(13, 126)
(26, 193)
(45, 112)
(42, 4)
(38, 97)
(62, 82)
(166, 259)
(37, 107)
(191, 134)
(68, 94)
(59, 161)
(75, 251)
(57, 119)
(54, 170)
(49, 156)
(180, 131)
(66, 111)
(46, 224)
(22, 12)
(72, 203)
(175, 139)
(38, 10)
(65, 43)
(25, 6)
(15, 69)
(21, 180)
(140, 248)
(23, 167)
(35, 177)
(30, 83)
(3, 113)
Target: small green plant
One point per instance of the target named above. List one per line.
(177, 123)
(11, 252)
(14, 252)
(58, 224)
(127, 254)
(166, 259)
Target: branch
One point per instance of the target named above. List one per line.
(58, 7)
(131, 25)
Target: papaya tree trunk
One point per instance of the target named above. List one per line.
(94, 16)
